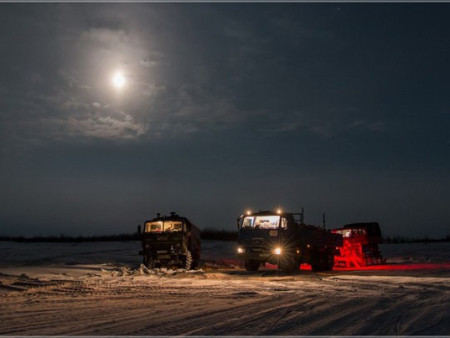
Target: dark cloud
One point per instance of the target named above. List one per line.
(226, 106)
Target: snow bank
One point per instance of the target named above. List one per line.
(142, 270)
(404, 253)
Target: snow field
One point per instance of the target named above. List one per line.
(75, 294)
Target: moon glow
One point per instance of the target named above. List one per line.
(118, 80)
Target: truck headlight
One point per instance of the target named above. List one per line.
(240, 250)
(278, 251)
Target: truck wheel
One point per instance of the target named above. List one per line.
(330, 262)
(188, 260)
(288, 265)
(149, 262)
(195, 262)
(194, 265)
(323, 262)
(252, 265)
(318, 263)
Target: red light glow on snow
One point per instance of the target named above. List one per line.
(378, 267)
(390, 267)
(381, 267)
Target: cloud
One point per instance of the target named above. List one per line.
(69, 113)
(78, 118)
(71, 79)
(150, 89)
(364, 125)
(105, 37)
(320, 123)
(119, 126)
(192, 108)
(178, 84)
(148, 63)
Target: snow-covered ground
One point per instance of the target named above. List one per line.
(101, 289)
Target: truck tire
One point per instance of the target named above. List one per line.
(149, 262)
(318, 262)
(323, 262)
(188, 260)
(252, 265)
(330, 262)
(195, 261)
(288, 265)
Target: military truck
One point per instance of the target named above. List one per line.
(170, 241)
(283, 239)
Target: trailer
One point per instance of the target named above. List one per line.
(283, 239)
(360, 245)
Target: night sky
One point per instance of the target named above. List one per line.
(342, 108)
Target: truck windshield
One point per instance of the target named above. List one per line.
(264, 222)
(346, 233)
(167, 226)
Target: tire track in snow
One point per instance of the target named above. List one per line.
(218, 304)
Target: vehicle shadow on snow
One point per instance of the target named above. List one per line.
(411, 270)
(267, 273)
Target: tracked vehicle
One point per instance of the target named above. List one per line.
(170, 241)
(283, 239)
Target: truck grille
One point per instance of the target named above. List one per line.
(257, 245)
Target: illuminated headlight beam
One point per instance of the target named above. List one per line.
(277, 251)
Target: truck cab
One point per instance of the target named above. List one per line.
(170, 241)
(281, 239)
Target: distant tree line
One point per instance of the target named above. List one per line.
(208, 234)
(219, 235)
(66, 238)
(400, 239)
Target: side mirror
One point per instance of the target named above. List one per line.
(139, 229)
(237, 220)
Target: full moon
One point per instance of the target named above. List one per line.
(118, 80)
